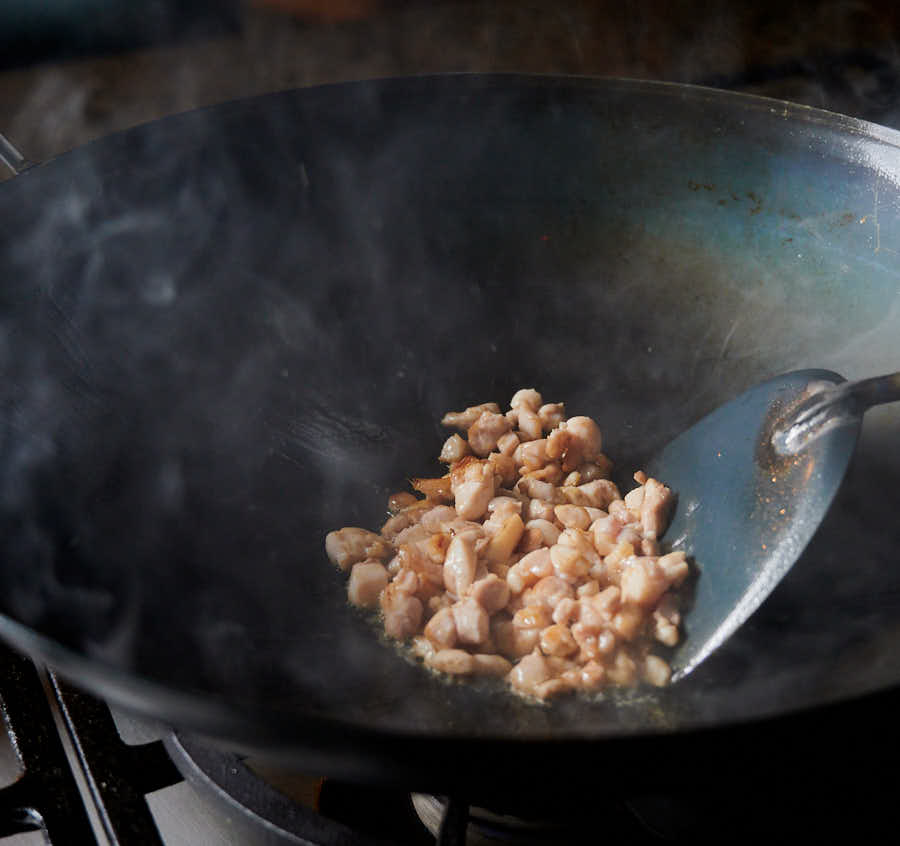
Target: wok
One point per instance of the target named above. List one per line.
(230, 331)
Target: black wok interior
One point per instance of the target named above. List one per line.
(252, 317)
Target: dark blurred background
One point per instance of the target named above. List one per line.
(73, 70)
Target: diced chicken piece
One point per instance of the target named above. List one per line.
(675, 566)
(566, 611)
(622, 670)
(599, 468)
(656, 508)
(504, 506)
(538, 509)
(456, 662)
(508, 443)
(531, 568)
(531, 540)
(464, 419)
(526, 398)
(589, 588)
(550, 472)
(656, 671)
(473, 489)
(628, 622)
(532, 617)
(530, 428)
(345, 547)
(650, 546)
(491, 593)
(367, 580)
(630, 534)
(531, 671)
(568, 563)
(643, 581)
(591, 675)
(485, 432)
(459, 564)
(404, 519)
(572, 516)
(549, 532)
(504, 468)
(549, 591)
(557, 640)
(412, 534)
(633, 500)
(597, 612)
(597, 494)
(639, 476)
(536, 489)
(582, 542)
(664, 631)
(402, 613)
(505, 541)
(441, 629)
(454, 448)
(398, 501)
(618, 509)
(531, 455)
(552, 414)
(584, 434)
(511, 641)
(435, 490)
(472, 623)
(436, 519)
(490, 665)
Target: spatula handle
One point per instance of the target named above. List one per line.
(833, 406)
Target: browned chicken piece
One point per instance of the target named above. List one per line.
(524, 561)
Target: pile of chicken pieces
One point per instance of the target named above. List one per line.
(524, 561)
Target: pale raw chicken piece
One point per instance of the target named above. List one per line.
(655, 508)
(473, 489)
(557, 640)
(403, 520)
(551, 415)
(643, 581)
(490, 665)
(472, 622)
(345, 547)
(459, 564)
(536, 489)
(454, 448)
(597, 494)
(435, 519)
(464, 419)
(675, 566)
(656, 671)
(367, 579)
(549, 592)
(402, 613)
(531, 671)
(531, 455)
(512, 641)
(505, 506)
(532, 567)
(526, 398)
(508, 443)
(441, 629)
(538, 509)
(491, 593)
(456, 662)
(573, 516)
(530, 428)
(486, 431)
(549, 532)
